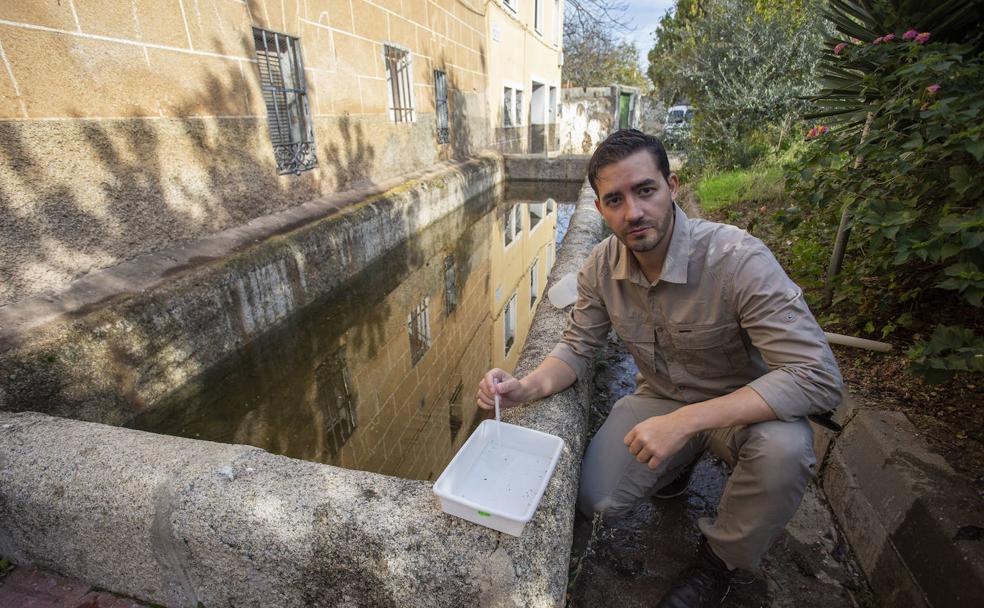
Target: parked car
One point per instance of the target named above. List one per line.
(678, 119)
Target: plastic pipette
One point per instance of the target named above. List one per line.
(498, 433)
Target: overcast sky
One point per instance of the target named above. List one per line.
(645, 15)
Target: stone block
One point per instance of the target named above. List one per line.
(402, 31)
(902, 508)
(370, 21)
(416, 11)
(113, 18)
(161, 22)
(188, 84)
(56, 15)
(334, 13)
(78, 77)
(358, 57)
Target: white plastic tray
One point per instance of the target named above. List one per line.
(497, 480)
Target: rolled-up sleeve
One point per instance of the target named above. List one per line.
(587, 325)
(803, 377)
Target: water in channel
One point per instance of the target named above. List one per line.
(380, 375)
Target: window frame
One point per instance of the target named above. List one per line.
(419, 330)
(509, 322)
(534, 282)
(398, 75)
(538, 16)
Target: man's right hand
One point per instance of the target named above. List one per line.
(498, 381)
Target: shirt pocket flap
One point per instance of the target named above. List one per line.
(698, 337)
(632, 329)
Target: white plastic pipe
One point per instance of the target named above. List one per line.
(881, 347)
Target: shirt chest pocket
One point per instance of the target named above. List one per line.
(710, 351)
(639, 337)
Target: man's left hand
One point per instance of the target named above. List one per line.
(655, 439)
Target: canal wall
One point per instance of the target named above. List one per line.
(180, 521)
(117, 341)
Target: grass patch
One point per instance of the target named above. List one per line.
(720, 190)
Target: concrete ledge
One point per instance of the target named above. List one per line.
(901, 507)
(569, 168)
(178, 521)
(115, 342)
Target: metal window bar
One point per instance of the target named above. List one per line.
(418, 326)
(519, 107)
(398, 74)
(441, 94)
(285, 96)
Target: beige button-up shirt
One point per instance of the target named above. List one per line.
(722, 315)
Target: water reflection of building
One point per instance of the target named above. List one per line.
(523, 251)
(381, 375)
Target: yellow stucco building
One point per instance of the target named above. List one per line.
(130, 126)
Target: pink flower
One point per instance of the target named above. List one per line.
(816, 131)
(823, 129)
(933, 88)
(910, 35)
(888, 37)
(922, 38)
(878, 40)
(811, 133)
(840, 47)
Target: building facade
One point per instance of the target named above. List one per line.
(128, 127)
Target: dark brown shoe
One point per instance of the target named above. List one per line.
(703, 584)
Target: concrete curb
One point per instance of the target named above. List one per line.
(536, 167)
(178, 521)
(902, 508)
(114, 343)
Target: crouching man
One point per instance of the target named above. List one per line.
(730, 358)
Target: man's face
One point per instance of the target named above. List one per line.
(636, 201)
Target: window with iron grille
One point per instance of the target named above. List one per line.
(441, 94)
(510, 323)
(450, 286)
(418, 326)
(519, 107)
(278, 58)
(399, 87)
(534, 282)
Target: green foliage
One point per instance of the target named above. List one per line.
(903, 151)
(948, 350)
(719, 190)
(5, 565)
(745, 66)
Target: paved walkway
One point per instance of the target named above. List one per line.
(25, 587)
(630, 561)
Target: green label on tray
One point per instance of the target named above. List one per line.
(484, 514)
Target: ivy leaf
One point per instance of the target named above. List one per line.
(975, 147)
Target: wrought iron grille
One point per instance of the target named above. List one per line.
(418, 326)
(278, 58)
(507, 107)
(398, 80)
(441, 94)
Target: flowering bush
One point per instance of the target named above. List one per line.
(913, 186)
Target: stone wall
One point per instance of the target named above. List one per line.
(179, 521)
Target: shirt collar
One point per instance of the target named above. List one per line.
(624, 265)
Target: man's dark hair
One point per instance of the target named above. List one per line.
(620, 145)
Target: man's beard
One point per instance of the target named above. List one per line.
(662, 233)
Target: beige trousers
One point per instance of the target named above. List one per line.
(771, 462)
